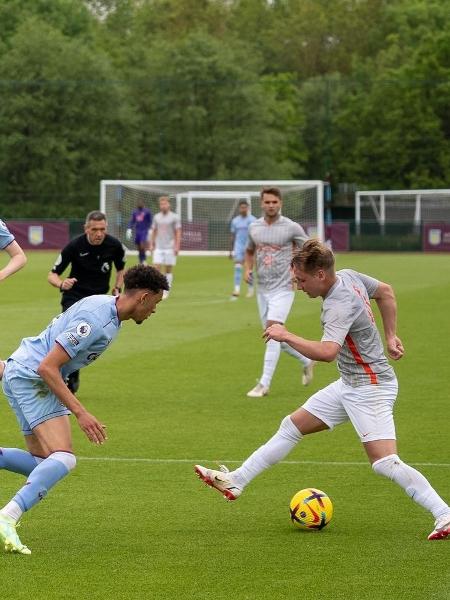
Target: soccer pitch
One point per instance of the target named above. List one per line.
(133, 522)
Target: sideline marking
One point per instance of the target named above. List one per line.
(283, 462)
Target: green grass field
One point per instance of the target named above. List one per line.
(133, 522)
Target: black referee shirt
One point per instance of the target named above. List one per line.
(90, 265)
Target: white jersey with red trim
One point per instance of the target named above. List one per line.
(347, 319)
(274, 245)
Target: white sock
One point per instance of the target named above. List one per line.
(414, 483)
(269, 454)
(290, 350)
(169, 277)
(12, 510)
(271, 357)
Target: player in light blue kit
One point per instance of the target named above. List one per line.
(34, 383)
(17, 258)
(239, 240)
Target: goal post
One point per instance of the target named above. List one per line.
(207, 207)
(414, 207)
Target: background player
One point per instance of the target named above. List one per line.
(272, 240)
(90, 257)
(364, 394)
(17, 258)
(33, 381)
(165, 240)
(140, 222)
(239, 239)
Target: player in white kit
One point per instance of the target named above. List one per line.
(272, 240)
(165, 240)
(365, 392)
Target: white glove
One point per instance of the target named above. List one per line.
(129, 234)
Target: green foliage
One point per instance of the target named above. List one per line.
(208, 114)
(395, 118)
(71, 17)
(219, 89)
(63, 121)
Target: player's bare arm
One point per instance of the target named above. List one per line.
(249, 261)
(315, 350)
(387, 305)
(154, 233)
(119, 282)
(17, 260)
(177, 241)
(232, 238)
(49, 371)
(62, 284)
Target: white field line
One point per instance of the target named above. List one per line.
(213, 462)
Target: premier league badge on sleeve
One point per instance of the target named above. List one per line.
(83, 329)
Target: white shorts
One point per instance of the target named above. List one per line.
(164, 257)
(274, 306)
(369, 408)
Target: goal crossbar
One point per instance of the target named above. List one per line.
(207, 207)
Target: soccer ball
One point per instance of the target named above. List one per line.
(311, 509)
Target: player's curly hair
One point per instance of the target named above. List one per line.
(313, 256)
(145, 277)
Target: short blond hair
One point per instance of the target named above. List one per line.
(313, 256)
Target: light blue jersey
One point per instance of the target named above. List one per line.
(239, 227)
(84, 331)
(6, 237)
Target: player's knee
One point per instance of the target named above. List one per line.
(68, 459)
(289, 430)
(387, 466)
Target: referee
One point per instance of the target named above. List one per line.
(90, 257)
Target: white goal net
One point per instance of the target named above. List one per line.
(413, 207)
(207, 207)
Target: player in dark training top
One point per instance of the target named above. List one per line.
(90, 257)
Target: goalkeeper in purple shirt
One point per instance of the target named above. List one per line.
(140, 221)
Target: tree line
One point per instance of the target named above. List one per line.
(357, 90)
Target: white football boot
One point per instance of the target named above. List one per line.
(308, 373)
(220, 480)
(441, 528)
(258, 391)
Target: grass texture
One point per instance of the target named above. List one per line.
(132, 522)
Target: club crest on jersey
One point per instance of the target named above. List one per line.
(83, 329)
(105, 267)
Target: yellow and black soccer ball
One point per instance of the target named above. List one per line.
(311, 509)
